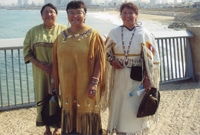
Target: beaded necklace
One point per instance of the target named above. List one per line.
(126, 52)
(80, 36)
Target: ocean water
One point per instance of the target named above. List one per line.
(15, 23)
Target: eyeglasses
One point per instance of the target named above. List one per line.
(45, 12)
(76, 12)
(128, 14)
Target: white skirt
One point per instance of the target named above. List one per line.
(123, 107)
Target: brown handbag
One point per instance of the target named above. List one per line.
(149, 103)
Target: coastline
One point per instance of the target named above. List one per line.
(146, 17)
(151, 22)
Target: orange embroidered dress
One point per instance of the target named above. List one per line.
(74, 57)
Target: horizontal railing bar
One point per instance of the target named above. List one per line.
(19, 106)
(175, 80)
(172, 34)
(14, 43)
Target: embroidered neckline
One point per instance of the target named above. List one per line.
(126, 52)
(48, 27)
(80, 36)
(138, 25)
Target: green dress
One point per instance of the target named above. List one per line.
(38, 44)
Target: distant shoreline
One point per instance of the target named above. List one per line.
(142, 17)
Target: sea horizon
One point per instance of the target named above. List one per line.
(15, 23)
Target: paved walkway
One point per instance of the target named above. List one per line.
(178, 113)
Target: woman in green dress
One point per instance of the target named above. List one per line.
(38, 50)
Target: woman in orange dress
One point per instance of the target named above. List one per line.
(78, 68)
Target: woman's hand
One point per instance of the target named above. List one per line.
(46, 67)
(92, 90)
(146, 83)
(116, 64)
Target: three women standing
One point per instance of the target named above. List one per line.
(79, 67)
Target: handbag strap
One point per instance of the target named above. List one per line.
(46, 100)
(143, 62)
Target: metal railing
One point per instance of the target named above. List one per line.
(175, 55)
(16, 82)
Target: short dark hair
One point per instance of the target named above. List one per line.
(49, 5)
(129, 5)
(75, 4)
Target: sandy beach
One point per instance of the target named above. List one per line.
(151, 22)
(178, 113)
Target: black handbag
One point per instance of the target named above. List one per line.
(48, 119)
(136, 73)
(149, 103)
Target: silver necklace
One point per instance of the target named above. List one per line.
(126, 52)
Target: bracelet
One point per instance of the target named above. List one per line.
(93, 82)
(95, 78)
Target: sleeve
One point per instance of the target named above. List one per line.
(109, 44)
(97, 55)
(55, 66)
(152, 59)
(105, 98)
(27, 51)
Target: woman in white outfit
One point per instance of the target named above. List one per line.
(124, 48)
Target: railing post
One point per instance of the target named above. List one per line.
(189, 62)
(195, 48)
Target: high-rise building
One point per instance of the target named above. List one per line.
(152, 1)
(54, 2)
(22, 2)
(157, 1)
(25, 2)
(64, 2)
(19, 2)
